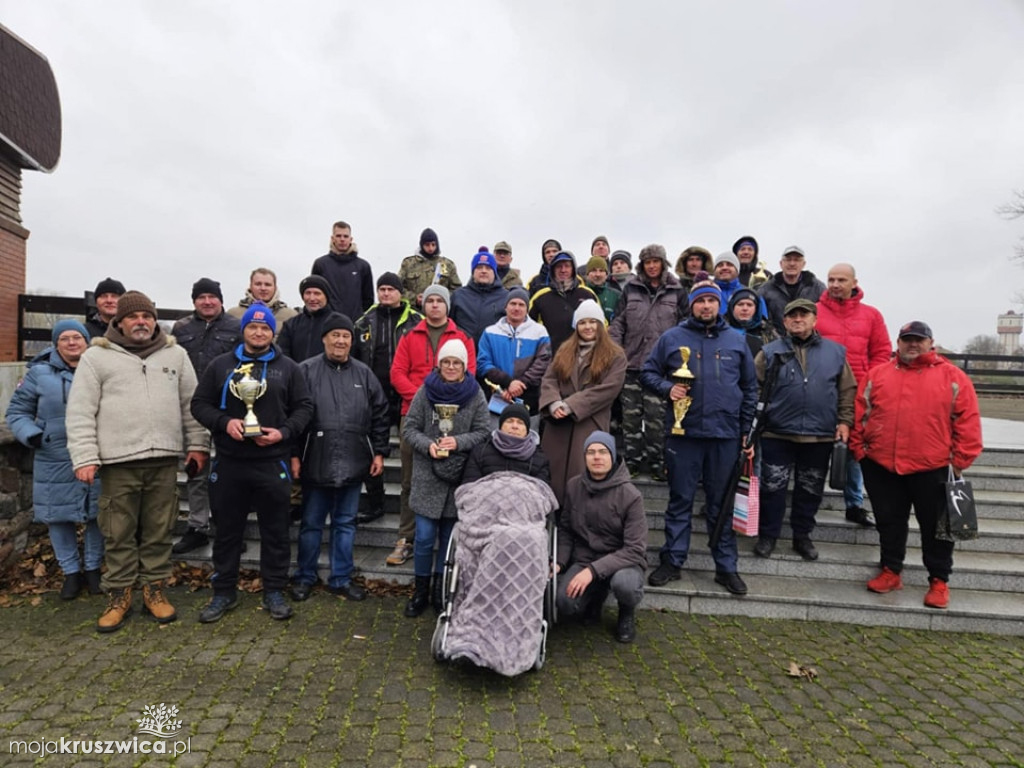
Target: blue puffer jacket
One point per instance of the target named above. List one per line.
(724, 390)
(37, 408)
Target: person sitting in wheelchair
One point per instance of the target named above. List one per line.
(513, 447)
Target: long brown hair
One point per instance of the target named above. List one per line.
(601, 357)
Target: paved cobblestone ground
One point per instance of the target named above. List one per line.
(347, 684)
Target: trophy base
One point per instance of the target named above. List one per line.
(252, 430)
(442, 453)
(678, 431)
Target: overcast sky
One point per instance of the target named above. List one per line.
(208, 138)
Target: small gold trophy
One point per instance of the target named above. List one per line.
(446, 414)
(682, 375)
(248, 390)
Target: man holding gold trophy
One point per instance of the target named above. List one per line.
(704, 370)
(255, 402)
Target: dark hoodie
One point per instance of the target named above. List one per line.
(553, 308)
(758, 330)
(752, 271)
(603, 523)
(350, 278)
(541, 278)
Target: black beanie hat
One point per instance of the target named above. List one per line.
(515, 411)
(337, 321)
(206, 285)
(109, 285)
(390, 279)
(315, 281)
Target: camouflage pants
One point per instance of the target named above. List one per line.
(643, 427)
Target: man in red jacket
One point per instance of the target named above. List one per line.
(415, 357)
(916, 416)
(845, 319)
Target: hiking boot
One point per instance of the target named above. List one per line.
(420, 598)
(938, 594)
(155, 604)
(72, 586)
(625, 629)
(119, 608)
(401, 553)
(663, 574)
(193, 539)
(887, 581)
(350, 591)
(732, 583)
(805, 548)
(276, 605)
(217, 607)
(765, 546)
(860, 516)
(437, 594)
(92, 581)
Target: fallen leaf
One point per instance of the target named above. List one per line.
(796, 670)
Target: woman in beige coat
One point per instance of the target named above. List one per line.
(577, 392)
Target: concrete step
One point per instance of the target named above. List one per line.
(823, 599)
(1002, 456)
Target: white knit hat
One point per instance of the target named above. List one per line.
(453, 348)
(587, 309)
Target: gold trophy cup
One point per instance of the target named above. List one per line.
(248, 390)
(446, 415)
(682, 375)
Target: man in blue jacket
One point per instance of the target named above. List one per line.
(723, 395)
(346, 440)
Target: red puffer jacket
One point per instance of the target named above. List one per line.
(414, 359)
(858, 327)
(917, 417)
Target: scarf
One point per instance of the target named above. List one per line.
(141, 349)
(243, 358)
(456, 393)
(512, 447)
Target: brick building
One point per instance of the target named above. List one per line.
(30, 138)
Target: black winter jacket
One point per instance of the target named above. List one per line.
(301, 337)
(349, 426)
(206, 340)
(351, 281)
(286, 405)
(485, 459)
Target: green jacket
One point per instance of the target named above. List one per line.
(417, 273)
(608, 297)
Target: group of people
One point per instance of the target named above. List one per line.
(584, 376)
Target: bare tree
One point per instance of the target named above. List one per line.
(983, 345)
(1014, 210)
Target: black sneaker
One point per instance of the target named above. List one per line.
(765, 546)
(805, 548)
(860, 516)
(350, 591)
(732, 583)
(193, 539)
(276, 605)
(663, 574)
(217, 607)
(369, 516)
(301, 592)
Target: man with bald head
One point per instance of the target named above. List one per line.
(844, 318)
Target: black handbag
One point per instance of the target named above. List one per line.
(450, 469)
(958, 521)
(837, 472)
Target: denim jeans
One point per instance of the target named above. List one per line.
(341, 504)
(64, 538)
(423, 549)
(853, 493)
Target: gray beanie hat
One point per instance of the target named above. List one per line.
(730, 257)
(438, 290)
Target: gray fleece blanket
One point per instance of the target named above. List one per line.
(502, 555)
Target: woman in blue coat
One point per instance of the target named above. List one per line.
(36, 417)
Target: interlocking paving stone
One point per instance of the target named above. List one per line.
(353, 684)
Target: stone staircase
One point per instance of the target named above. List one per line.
(986, 588)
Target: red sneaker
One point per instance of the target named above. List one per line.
(938, 594)
(887, 581)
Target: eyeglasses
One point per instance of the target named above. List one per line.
(68, 338)
(450, 362)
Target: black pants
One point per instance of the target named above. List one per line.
(779, 458)
(892, 496)
(236, 487)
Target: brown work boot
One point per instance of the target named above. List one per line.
(154, 603)
(119, 608)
